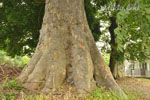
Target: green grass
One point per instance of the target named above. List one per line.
(11, 85)
(11, 89)
(143, 80)
(8, 90)
(102, 94)
(133, 95)
(98, 94)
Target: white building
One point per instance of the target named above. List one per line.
(137, 69)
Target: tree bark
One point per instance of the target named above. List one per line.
(118, 71)
(66, 51)
(114, 64)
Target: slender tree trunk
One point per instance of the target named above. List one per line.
(118, 71)
(116, 67)
(114, 64)
(67, 52)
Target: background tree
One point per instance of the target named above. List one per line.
(128, 39)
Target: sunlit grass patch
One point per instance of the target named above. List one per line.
(143, 80)
(133, 95)
(103, 94)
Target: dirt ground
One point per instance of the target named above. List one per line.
(140, 86)
(8, 72)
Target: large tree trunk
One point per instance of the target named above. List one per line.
(115, 64)
(67, 52)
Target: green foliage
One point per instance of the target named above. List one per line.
(132, 34)
(20, 22)
(16, 61)
(93, 19)
(106, 58)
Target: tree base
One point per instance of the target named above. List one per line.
(67, 52)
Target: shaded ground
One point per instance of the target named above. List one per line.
(140, 86)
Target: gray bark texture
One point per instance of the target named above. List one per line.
(67, 52)
(118, 71)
